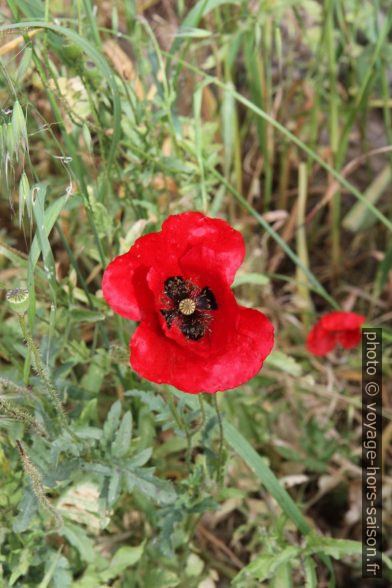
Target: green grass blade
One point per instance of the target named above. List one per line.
(366, 82)
(194, 16)
(50, 216)
(289, 135)
(41, 234)
(313, 155)
(357, 218)
(290, 253)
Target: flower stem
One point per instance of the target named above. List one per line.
(181, 425)
(203, 414)
(202, 420)
(220, 451)
(42, 373)
(174, 412)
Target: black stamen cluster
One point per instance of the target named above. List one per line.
(195, 325)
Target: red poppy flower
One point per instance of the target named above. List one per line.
(176, 282)
(333, 328)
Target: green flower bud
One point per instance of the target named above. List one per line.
(18, 300)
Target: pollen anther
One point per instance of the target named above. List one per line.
(187, 306)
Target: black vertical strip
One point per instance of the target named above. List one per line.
(372, 453)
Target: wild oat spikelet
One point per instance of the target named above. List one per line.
(36, 484)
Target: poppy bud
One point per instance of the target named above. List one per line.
(18, 300)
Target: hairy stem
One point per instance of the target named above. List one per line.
(220, 450)
(42, 373)
(19, 414)
(37, 485)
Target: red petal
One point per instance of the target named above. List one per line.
(339, 320)
(193, 229)
(349, 339)
(124, 283)
(161, 360)
(118, 287)
(319, 341)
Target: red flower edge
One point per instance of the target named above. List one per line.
(176, 282)
(336, 327)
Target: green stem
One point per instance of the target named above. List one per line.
(220, 450)
(202, 421)
(181, 425)
(203, 412)
(42, 373)
(37, 485)
(19, 414)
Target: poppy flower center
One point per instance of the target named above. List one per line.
(188, 306)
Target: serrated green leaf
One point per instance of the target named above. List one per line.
(124, 558)
(89, 412)
(97, 468)
(264, 566)
(86, 432)
(57, 572)
(80, 540)
(140, 459)
(24, 561)
(122, 439)
(114, 487)
(336, 548)
(160, 491)
(27, 509)
(92, 379)
(152, 400)
(112, 420)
